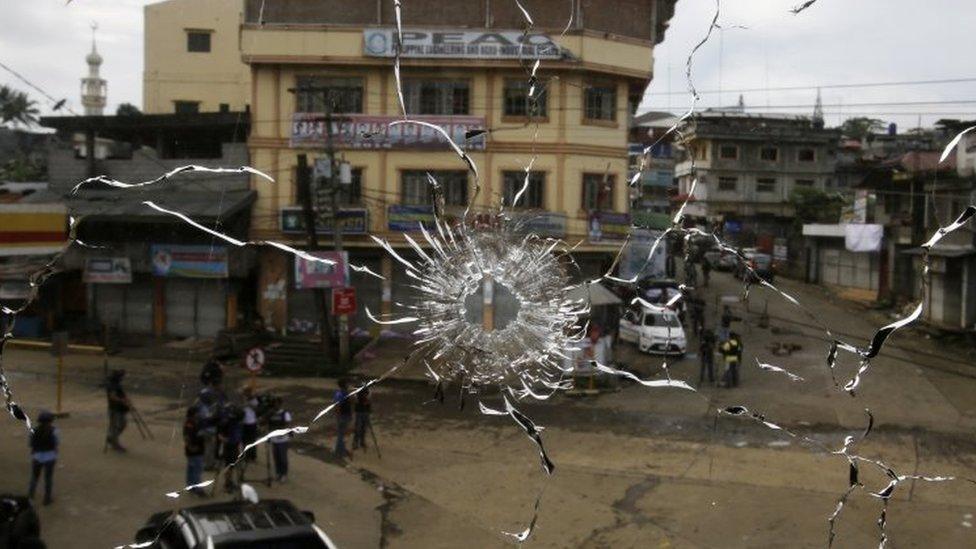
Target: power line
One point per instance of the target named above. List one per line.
(20, 77)
(824, 86)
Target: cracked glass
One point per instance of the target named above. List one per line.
(512, 245)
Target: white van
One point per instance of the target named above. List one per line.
(654, 331)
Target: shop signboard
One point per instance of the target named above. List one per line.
(546, 224)
(460, 44)
(189, 261)
(361, 131)
(608, 226)
(107, 270)
(408, 218)
(316, 274)
(351, 221)
(343, 301)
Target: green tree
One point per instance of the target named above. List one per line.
(860, 127)
(816, 206)
(23, 168)
(127, 109)
(17, 108)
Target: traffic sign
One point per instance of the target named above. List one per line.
(343, 301)
(254, 360)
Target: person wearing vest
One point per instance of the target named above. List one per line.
(732, 353)
(44, 454)
(343, 418)
(280, 419)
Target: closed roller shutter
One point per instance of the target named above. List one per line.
(125, 307)
(107, 302)
(180, 307)
(139, 307)
(195, 308)
(211, 307)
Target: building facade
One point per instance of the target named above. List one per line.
(148, 273)
(192, 57)
(748, 167)
(462, 69)
(651, 205)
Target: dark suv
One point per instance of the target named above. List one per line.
(235, 525)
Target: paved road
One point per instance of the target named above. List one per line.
(634, 468)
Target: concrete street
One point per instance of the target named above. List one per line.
(634, 468)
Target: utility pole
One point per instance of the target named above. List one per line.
(334, 183)
(309, 213)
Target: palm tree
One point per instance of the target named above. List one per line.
(17, 108)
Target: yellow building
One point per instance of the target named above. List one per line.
(192, 57)
(460, 73)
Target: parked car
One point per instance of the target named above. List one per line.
(235, 525)
(19, 524)
(661, 290)
(760, 263)
(654, 331)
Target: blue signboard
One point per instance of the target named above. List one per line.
(409, 218)
(732, 227)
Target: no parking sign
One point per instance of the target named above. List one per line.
(254, 360)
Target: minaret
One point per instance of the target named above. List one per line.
(818, 118)
(93, 87)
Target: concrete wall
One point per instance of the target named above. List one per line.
(639, 19)
(171, 73)
(65, 171)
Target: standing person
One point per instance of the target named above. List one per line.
(249, 427)
(208, 415)
(118, 407)
(212, 374)
(706, 350)
(726, 326)
(732, 353)
(44, 454)
(280, 419)
(193, 449)
(343, 418)
(364, 407)
(231, 434)
(706, 271)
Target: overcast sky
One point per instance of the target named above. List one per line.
(832, 42)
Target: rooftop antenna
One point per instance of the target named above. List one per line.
(818, 115)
